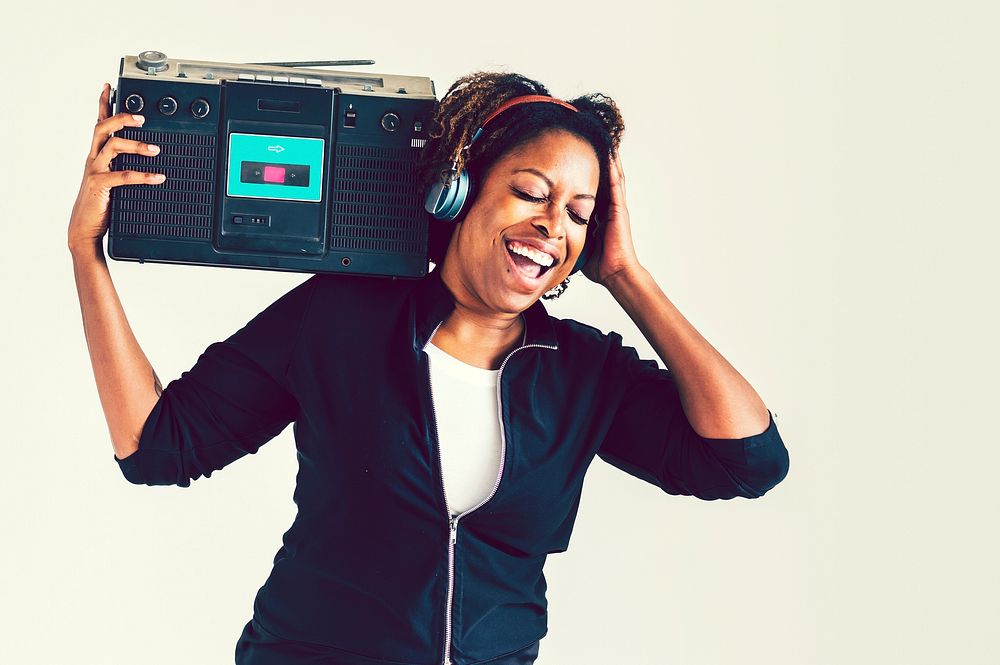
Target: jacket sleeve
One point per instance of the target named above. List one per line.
(651, 438)
(234, 399)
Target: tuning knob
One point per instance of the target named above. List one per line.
(151, 60)
(168, 106)
(134, 103)
(200, 108)
(390, 122)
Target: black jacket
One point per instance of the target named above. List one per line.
(372, 567)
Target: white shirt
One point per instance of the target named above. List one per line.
(465, 404)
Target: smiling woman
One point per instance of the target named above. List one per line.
(521, 221)
(597, 127)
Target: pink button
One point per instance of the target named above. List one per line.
(274, 174)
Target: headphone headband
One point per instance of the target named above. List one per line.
(514, 101)
(523, 99)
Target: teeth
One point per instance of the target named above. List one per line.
(541, 258)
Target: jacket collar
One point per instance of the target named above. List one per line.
(433, 302)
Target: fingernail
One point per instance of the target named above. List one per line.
(139, 118)
(159, 177)
(154, 148)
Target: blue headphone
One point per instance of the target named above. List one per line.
(446, 202)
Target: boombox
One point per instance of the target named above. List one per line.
(273, 166)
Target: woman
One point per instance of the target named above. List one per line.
(443, 426)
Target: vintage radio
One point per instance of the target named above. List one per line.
(273, 166)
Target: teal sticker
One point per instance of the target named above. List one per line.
(265, 166)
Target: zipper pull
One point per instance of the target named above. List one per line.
(453, 523)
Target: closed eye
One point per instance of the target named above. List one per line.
(534, 199)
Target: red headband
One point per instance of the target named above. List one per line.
(524, 99)
(520, 100)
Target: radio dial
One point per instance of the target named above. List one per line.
(200, 108)
(390, 122)
(168, 106)
(151, 61)
(134, 103)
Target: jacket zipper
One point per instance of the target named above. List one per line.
(453, 521)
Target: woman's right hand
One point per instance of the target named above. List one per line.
(89, 220)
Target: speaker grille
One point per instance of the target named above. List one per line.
(183, 206)
(374, 199)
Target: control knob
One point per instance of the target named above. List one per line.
(134, 103)
(390, 122)
(151, 61)
(200, 108)
(168, 106)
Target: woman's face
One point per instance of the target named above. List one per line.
(560, 169)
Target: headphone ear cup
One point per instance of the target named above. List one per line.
(582, 259)
(469, 193)
(589, 247)
(446, 202)
(433, 199)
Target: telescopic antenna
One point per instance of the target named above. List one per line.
(316, 63)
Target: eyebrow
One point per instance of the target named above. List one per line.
(546, 179)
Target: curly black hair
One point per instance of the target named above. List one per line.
(472, 98)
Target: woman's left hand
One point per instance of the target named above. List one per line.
(615, 253)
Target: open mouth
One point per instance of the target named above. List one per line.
(528, 260)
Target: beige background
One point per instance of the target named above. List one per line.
(813, 184)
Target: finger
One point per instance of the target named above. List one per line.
(104, 103)
(115, 146)
(116, 178)
(618, 165)
(621, 171)
(615, 175)
(105, 128)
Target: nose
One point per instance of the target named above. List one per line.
(554, 221)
